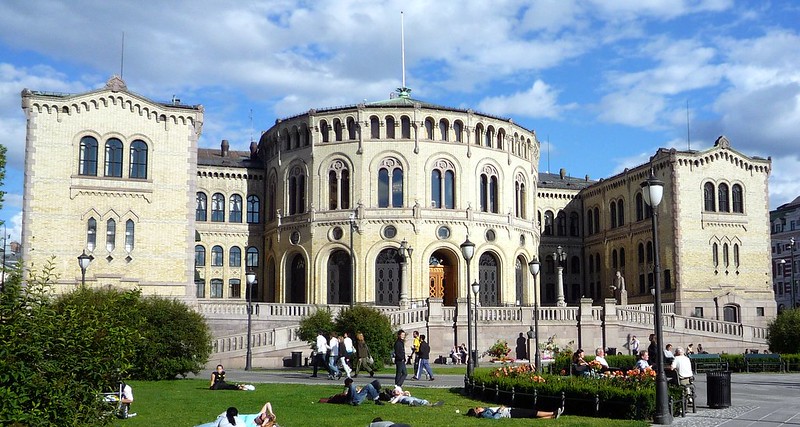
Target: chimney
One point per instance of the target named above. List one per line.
(225, 147)
(562, 173)
(253, 149)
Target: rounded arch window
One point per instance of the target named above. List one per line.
(337, 233)
(389, 232)
(295, 237)
(490, 235)
(443, 232)
(522, 240)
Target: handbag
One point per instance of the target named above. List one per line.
(370, 360)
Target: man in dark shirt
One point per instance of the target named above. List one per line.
(400, 372)
(424, 359)
(652, 349)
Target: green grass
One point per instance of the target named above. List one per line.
(189, 403)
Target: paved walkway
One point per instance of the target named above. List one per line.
(756, 399)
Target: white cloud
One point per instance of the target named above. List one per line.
(783, 183)
(541, 100)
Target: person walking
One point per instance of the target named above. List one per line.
(424, 359)
(343, 356)
(363, 356)
(319, 357)
(400, 372)
(635, 346)
(333, 357)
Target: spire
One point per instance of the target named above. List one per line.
(403, 91)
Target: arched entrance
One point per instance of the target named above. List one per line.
(443, 276)
(730, 313)
(296, 280)
(339, 278)
(489, 277)
(387, 277)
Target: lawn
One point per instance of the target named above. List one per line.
(189, 403)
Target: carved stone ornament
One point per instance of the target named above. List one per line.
(116, 84)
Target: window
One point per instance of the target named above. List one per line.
(199, 256)
(620, 213)
(622, 258)
(715, 255)
(216, 256)
(253, 209)
(549, 223)
(234, 288)
(575, 268)
(723, 198)
(338, 186)
(390, 123)
(111, 235)
(235, 257)
(218, 208)
(736, 255)
(478, 134)
(597, 220)
(589, 222)
(520, 197)
(337, 129)
(138, 160)
(252, 258)
(429, 128)
(642, 288)
(708, 197)
(489, 196)
(613, 214)
(88, 156)
(297, 191)
(574, 224)
(235, 208)
(649, 252)
(390, 184)
(614, 259)
(216, 288)
(200, 211)
(405, 127)
(200, 288)
(351, 129)
(114, 158)
(443, 185)
(443, 130)
(698, 312)
(323, 129)
(667, 279)
(272, 191)
(489, 137)
(760, 311)
(458, 131)
(91, 234)
(725, 258)
(738, 200)
(561, 224)
(374, 127)
(129, 229)
(641, 253)
(639, 207)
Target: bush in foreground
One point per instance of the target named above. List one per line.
(784, 332)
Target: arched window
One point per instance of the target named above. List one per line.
(641, 253)
(489, 190)
(337, 129)
(374, 127)
(591, 264)
(111, 235)
(478, 134)
(114, 158)
(520, 197)
(272, 197)
(649, 252)
(561, 224)
(138, 160)
(725, 257)
(730, 313)
(589, 222)
(597, 220)
(614, 259)
(323, 129)
(574, 224)
(429, 128)
(622, 257)
(489, 140)
(252, 258)
(443, 185)
(390, 123)
(200, 210)
(723, 205)
(390, 184)
(91, 234)
(338, 186)
(253, 209)
(216, 288)
(620, 213)
(297, 191)
(199, 256)
(458, 130)
(613, 214)
(235, 257)
(286, 138)
(235, 208)
(129, 229)
(444, 130)
(217, 256)
(88, 156)
(715, 255)
(738, 200)
(736, 255)
(708, 197)
(639, 207)
(405, 127)
(234, 288)
(218, 208)
(501, 136)
(549, 223)
(351, 129)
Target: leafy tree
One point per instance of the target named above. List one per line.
(320, 320)
(784, 332)
(373, 324)
(176, 340)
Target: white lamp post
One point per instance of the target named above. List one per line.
(534, 268)
(251, 279)
(83, 262)
(468, 251)
(560, 255)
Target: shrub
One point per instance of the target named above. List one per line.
(320, 320)
(784, 332)
(373, 324)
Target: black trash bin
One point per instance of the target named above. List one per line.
(612, 351)
(297, 359)
(718, 384)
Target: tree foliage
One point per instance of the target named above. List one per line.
(784, 332)
(318, 321)
(373, 324)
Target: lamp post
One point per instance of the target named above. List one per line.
(83, 263)
(353, 228)
(534, 266)
(468, 251)
(560, 255)
(652, 192)
(791, 243)
(405, 254)
(476, 287)
(251, 279)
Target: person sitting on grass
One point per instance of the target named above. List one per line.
(405, 397)
(218, 381)
(379, 422)
(356, 396)
(507, 412)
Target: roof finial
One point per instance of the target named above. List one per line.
(403, 91)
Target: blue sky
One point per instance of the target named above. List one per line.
(605, 82)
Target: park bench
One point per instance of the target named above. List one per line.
(707, 362)
(763, 361)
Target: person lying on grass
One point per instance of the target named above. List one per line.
(405, 397)
(231, 417)
(498, 412)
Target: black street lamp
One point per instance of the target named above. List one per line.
(353, 228)
(794, 302)
(476, 287)
(652, 192)
(251, 279)
(83, 263)
(534, 268)
(468, 251)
